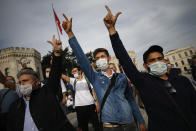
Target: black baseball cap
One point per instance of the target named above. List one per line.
(153, 48)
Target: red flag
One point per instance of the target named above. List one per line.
(57, 21)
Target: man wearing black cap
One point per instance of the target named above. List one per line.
(170, 103)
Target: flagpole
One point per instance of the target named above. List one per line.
(55, 22)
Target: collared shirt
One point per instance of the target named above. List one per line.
(109, 76)
(29, 124)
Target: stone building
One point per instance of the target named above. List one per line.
(10, 60)
(180, 58)
(131, 54)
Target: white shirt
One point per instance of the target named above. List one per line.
(83, 96)
(29, 124)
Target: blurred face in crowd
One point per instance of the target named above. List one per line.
(113, 67)
(11, 79)
(194, 61)
(48, 72)
(76, 73)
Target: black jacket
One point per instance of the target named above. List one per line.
(44, 106)
(162, 113)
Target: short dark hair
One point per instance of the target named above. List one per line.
(76, 66)
(100, 50)
(28, 71)
(153, 48)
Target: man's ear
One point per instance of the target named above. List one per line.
(145, 66)
(37, 82)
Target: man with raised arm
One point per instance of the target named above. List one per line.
(170, 103)
(120, 106)
(39, 108)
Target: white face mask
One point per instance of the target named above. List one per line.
(102, 64)
(47, 74)
(26, 89)
(76, 75)
(158, 68)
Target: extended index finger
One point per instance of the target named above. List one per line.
(108, 9)
(65, 17)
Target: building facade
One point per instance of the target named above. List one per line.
(180, 58)
(10, 61)
(133, 57)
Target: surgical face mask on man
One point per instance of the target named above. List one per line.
(158, 68)
(26, 89)
(102, 64)
(76, 75)
(47, 74)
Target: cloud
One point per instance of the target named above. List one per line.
(172, 24)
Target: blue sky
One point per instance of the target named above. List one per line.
(30, 23)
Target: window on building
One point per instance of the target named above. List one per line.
(174, 58)
(185, 69)
(182, 62)
(180, 55)
(185, 53)
(176, 64)
(191, 52)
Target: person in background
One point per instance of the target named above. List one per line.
(112, 67)
(7, 97)
(62, 88)
(85, 99)
(193, 70)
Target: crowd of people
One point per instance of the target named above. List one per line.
(99, 94)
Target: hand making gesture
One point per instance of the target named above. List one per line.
(67, 26)
(57, 45)
(110, 21)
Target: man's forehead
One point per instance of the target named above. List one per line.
(100, 54)
(25, 76)
(155, 55)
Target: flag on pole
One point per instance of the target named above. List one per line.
(57, 21)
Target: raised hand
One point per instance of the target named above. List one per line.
(57, 45)
(110, 20)
(67, 26)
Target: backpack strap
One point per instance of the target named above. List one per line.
(112, 83)
(89, 85)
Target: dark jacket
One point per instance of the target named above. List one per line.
(162, 114)
(44, 107)
(193, 71)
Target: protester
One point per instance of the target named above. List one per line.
(84, 100)
(171, 71)
(7, 97)
(61, 95)
(112, 67)
(118, 106)
(170, 103)
(39, 109)
(193, 69)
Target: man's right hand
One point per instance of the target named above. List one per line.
(57, 45)
(67, 26)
